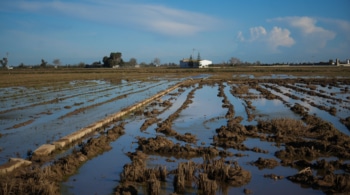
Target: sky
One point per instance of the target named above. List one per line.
(269, 31)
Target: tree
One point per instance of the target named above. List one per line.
(143, 64)
(330, 61)
(198, 57)
(105, 61)
(81, 64)
(56, 62)
(43, 63)
(235, 61)
(156, 61)
(4, 62)
(190, 62)
(115, 58)
(197, 63)
(132, 61)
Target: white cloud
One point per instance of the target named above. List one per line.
(315, 35)
(240, 36)
(257, 32)
(154, 18)
(280, 37)
(275, 38)
(340, 26)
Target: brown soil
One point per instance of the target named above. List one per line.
(330, 183)
(165, 147)
(265, 163)
(207, 176)
(346, 122)
(21, 124)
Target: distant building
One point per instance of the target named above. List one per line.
(187, 63)
(343, 63)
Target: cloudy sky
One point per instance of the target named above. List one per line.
(86, 30)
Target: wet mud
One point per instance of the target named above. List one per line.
(313, 147)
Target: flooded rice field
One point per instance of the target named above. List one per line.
(242, 136)
(32, 117)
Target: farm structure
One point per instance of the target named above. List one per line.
(188, 63)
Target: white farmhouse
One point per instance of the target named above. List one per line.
(187, 63)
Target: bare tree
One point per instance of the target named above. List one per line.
(56, 62)
(235, 61)
(132, 61)
(156, 61)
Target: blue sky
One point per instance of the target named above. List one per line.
(86, 30)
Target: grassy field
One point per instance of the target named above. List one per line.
(49, 77)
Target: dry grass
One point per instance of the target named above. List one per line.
(49, 77)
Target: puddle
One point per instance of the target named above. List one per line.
(249, 76)
(201, 76)
(206, 106)
(269, 109)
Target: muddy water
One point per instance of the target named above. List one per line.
(200, 118)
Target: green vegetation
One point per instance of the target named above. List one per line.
(114, 59)
(3, 62)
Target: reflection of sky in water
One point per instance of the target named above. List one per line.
(256, 142)
(270, 109)
(205, 106)
(250, 76)
(49, 127)
(278, 76)
(95, 176)
(238, 106)
(92, 177)
(201, 76)
(254, 91)
(330, 118)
